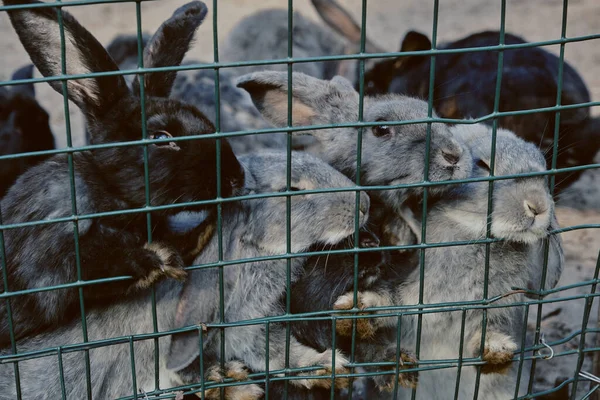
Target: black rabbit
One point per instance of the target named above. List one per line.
(325, 279)
(24, 128)
(108, 178)
(465, 87)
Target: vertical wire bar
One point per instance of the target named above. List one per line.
(288, 179)
(586, 316)
(361, 98)
(460, 352)
(11, 331)
(201, 361)
(138, 15)
(267, 367)
(333, 347)
(563, 35)
(61, 374)
(133, 374)
(63, 58)
(219, 203)
(523, 344)
(490, 204)
(426, 180)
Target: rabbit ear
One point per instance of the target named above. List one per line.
(39, 31)
(343, 23)
(25, 72)
(310, 97)
(556, 260)
(194, 308)
(415, 41)
(168, 47)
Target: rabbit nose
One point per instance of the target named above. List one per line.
(451, 156)
(532, 209)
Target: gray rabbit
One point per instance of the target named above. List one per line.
(391, 154)
(522, 215)
(264, 36)
(252, 290)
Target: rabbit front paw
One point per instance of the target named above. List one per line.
(498, 352)
(325, 359)
(404, 379)
(365, 327)
(166, 262)
(234, 370)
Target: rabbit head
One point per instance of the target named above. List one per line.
(24, 127)
(179, 171)
(404, 74)
(391, 155)
(522, 208)
(24, 124)
(324, 218)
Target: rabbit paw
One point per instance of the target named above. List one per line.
(365, 327)
(169, 264)
(498, 352)
(324, 359)
(234, 370)
(404, 379)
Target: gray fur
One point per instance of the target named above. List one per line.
(264, 36)
(258, 228)
(250, 228)
(455, 274)
(397, 158)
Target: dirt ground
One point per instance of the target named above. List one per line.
(387, 21)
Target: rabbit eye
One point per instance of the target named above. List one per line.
(382, 130)
(163, 135)
(482, 164)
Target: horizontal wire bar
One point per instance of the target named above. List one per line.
(423, 309)
(82, 283)
(298, 193)
(291, 60)
(221, 135)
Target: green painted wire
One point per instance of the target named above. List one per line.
(288, 184)
(490, 204)
(140, 53)
(586, 316)
(426, 179)
(485, 304)
(63, 60)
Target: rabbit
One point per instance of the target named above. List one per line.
(197, 87)
(110, 364)
(249, 228)
(325, 278)
(24, 127)
(264, 36)
(391, 155)
(253, 290)
(109, 178)
(465, 86)
(522, 215)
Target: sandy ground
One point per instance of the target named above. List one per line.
(387, 21)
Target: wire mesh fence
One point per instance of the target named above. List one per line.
(85, 348)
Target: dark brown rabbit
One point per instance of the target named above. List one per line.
(108, 178)
(24, 128)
